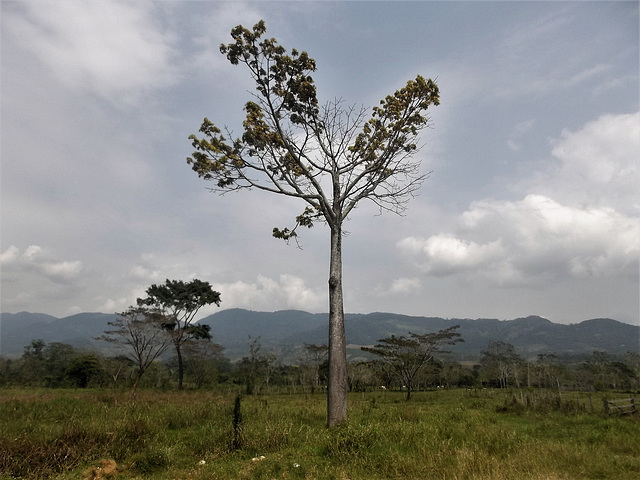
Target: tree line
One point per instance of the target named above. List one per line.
(59, 365)
(158, 344)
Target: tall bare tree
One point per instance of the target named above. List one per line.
(331, 157)
(142, 333)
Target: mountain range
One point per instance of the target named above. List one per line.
(285, 332)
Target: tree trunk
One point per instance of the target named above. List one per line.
(180, 365)
(337, 388)
(134, 389)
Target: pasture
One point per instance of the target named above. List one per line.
(444, 434)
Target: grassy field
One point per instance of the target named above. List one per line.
(454, 434)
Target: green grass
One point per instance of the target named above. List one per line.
(453, 434)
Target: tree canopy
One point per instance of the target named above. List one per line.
(407, 356)
(179, 302)
(290, 143)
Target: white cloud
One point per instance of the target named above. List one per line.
(577, 222)
(62, 270)
(110, 305)
(289, 291)
(111, 48)
(598, 164)
(444, 254)
(405, 286)
(10, 255)
(140, 272)
(538, 239)
(43, 263)
(37, 276)
(32, 252)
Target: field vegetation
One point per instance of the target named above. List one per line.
(196, 434)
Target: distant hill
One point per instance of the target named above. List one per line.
(284, 332)
(17, 330)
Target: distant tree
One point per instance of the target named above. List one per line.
(453, 374)
(632, 360)
(115, 367)
(362, 376)
(407, 356)
(35, 349)
(599, 365)
(33, 365)
(384, 374)
(550, 370)
(179, 302)
(9, 374)
(83, 368)
(621, 376)
(201, 359)
(501, 362)
(256, 365)
(330, 157)
(314, 357)
(141, 332)
(57, 357)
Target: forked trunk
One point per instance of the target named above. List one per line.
(337, 388)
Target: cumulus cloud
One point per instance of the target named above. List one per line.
(10, 255)
(140, 272)
(36, 275)
(267, 293)
(42, 262)
(405, 286)
(583, 226)
(539, 238)
(111, 48)
(598, 165)
(111, 305)
(148, 269)
(445, 254)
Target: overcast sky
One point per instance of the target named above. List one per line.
(532, 208)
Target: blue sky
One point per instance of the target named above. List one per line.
(532, 206)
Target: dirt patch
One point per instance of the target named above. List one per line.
(106, 469)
